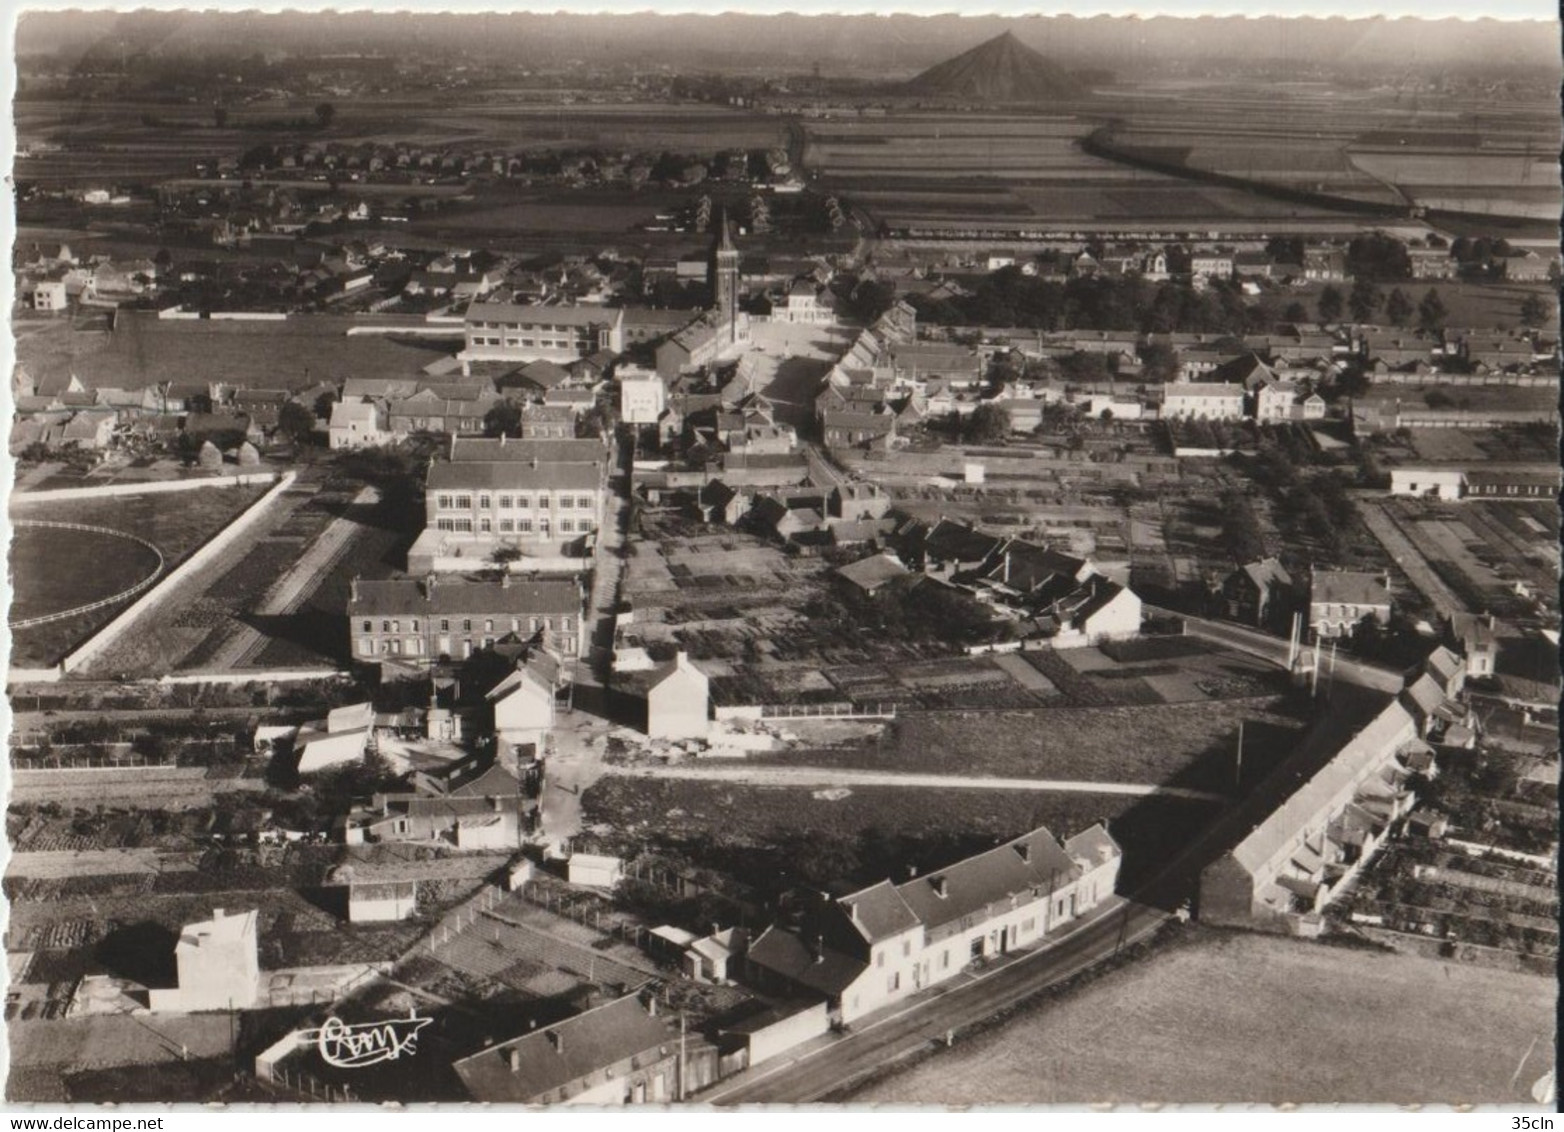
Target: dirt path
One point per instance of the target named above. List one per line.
(54, 864)
(827, 777)
(1409, 558)
(290, 591)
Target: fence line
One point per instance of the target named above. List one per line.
(123, 595)
(198, 560)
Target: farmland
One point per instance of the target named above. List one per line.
(1221, 1018)
(43, 577)
(292, 354)
(1187, 745)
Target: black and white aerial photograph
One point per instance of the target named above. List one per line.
(753, 558)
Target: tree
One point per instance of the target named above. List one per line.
(1431, 311)
(1364, 300)
(1534, 312)
(325, 114)
(1378, 258)
(1158, 362)
(989, 422)
(1296, 313)
(296, 422)
(502, 420)
(323, 404)
(1329, 305)
(1398, 308)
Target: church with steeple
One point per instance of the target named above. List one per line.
(722, 274)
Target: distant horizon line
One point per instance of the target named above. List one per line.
(1434, 11)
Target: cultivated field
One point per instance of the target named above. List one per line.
(293, 354)
(45, 578)
(1191, 745)
(1248, 1018)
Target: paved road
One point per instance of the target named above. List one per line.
(806, 776)
(826, 1067)
(1274, 649)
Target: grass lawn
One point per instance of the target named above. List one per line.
(177, 524)
(759, 833)
(1249, 1018)
(1190, 745)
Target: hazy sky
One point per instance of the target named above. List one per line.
(1492, 9)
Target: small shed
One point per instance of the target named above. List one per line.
(372, 902)
(778, 1029)
(593, 871)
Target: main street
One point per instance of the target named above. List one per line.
(828, 1066)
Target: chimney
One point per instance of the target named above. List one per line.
(353, 589)
(852, 910)
(557, 1040)
(912, 872)
(941, 887)
(651, 1006)
(217, 914)
(513, 1055)
(502, 440)
(819, 949)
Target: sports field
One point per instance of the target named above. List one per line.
(1249, 1018)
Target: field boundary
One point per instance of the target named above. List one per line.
(111, 632)
(114, 599)
(150, 487)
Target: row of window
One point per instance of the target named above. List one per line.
(535, 328)
(490, 624)
(513, 526)
(463, 502)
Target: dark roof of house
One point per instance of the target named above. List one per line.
(878, 912)
(821, 969)
(393, 596)
(1346, 587)
(1030, 863)
(542, 373)
(872, 572)
(864, 422)
(512, 476)
(541, 315)
(383, 890)
(551, 1058)
(950, 540)
(1025, 566)
(475, 450)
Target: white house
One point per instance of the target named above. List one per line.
(48, 295)
(219, 965)
(803, 305)
(1097, 610)
(1439, 483)
(355, 424)
(677, 703)
(524, 702)
(1203, 400)
(642, 395)
(886, 942)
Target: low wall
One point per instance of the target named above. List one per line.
(214, 546)
(255, 676)
(15, 676)
(152, 487)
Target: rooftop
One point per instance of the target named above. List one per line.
(413, 596)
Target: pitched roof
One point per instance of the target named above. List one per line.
(879, 912)
(1267, 572)
(445, 475)
(1094, 845)
(822, 969)
(545, 315)
(1033, 862)
(551, 1058)
(478, 449)
(1347, 587)
(396, 596)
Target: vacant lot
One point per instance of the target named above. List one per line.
(176, 525)
(771, 837)
(1245, 1018)
(1188, 745)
